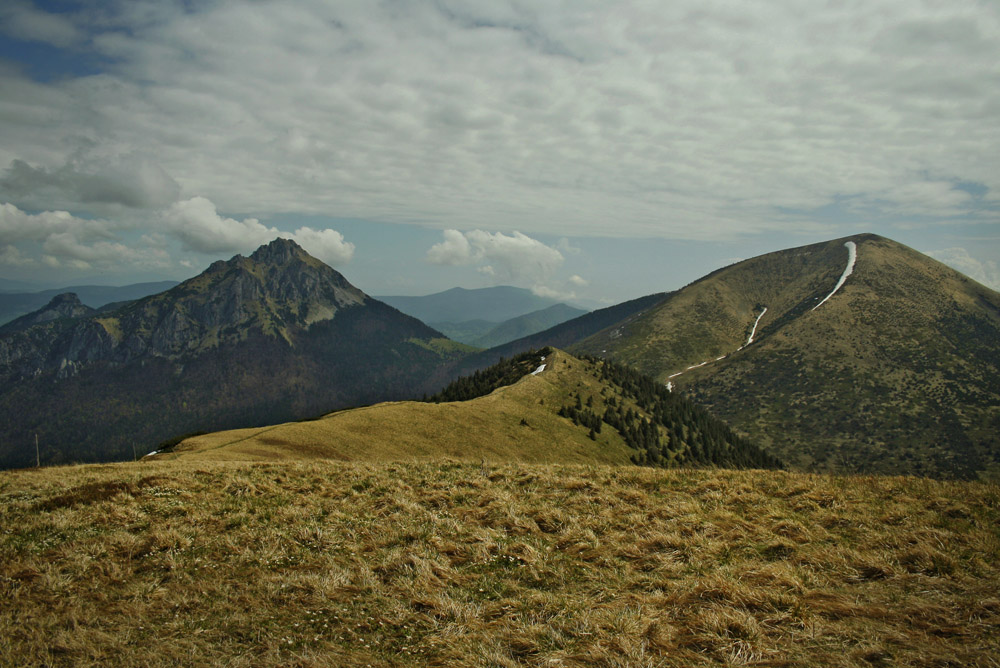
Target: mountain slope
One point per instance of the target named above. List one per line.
(457, 305)
(897, 371)
(566, 410)
(275, 336)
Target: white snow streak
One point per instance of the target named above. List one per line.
(754, 330)
(717, 359)
(852, 256)
(538, 370)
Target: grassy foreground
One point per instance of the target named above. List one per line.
(355, 564)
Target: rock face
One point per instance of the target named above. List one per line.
(66, 305)
(274, 336)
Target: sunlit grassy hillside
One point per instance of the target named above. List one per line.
(544, 407)
(515, 423)
(449, 564)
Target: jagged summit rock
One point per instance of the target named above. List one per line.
(279, 251)
(65, 305)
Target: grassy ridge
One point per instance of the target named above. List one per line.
(355, 564)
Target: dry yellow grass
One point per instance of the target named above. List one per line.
(323, 563)
(515, 423)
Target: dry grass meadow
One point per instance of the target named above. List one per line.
(456, 564)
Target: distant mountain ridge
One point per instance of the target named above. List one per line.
(15, 303)
(526, 325)
(65, 305)
(495, 304)
(276, 335)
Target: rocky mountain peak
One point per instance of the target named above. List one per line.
(279, 252)
(65, 305)
(64, 300)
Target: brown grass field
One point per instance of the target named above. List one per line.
(323, 563)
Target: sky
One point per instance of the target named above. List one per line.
(587, 150)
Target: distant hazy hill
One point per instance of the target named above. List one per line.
(897, 371)
(562, 335)
(544, 407)
(526, 325)
(458, 305)
(274, 336)
(14, 304)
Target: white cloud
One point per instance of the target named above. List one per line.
(578, 281)
(454, 250)
(67, 240)
(985, 271)
(200, 228)
(17, 225)
(507, 258)
(64, 248)
(682, 120)
(327, 245)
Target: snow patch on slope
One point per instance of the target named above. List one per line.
(754, 330)
(722, 357)
(852, 257)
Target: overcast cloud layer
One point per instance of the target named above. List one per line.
(684, 119)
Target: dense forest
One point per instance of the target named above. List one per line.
(664, 428)
(482, 382)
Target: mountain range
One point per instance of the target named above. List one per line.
(274, 336)
(857, 354)
(16, 303)
(486, 317)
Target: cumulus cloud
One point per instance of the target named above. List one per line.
(454, 250)
(515, 257)
(327, 245)
(985, 271)
(69, 241)
(17, 225)
(200, 228)
(64, 248)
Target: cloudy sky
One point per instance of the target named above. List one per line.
(579, 148)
